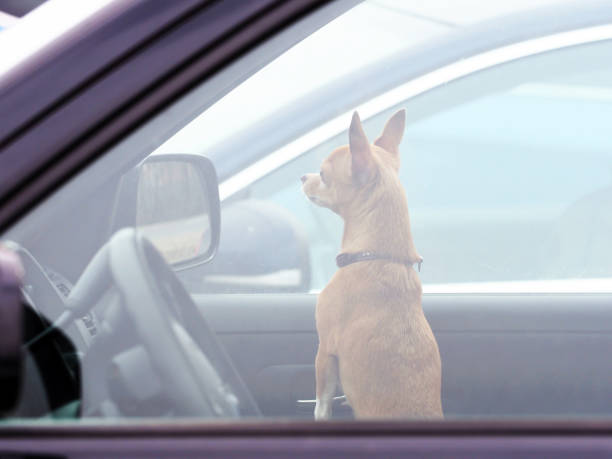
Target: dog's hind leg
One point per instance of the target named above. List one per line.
(327, 380)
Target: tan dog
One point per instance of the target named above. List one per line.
(373, 336)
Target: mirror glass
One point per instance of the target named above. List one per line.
(172, 209)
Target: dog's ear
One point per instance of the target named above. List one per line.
(392, 133)
(361, 155)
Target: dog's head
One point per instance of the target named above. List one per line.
(358, 167)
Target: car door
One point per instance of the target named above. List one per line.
(492, 342)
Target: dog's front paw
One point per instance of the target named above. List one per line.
(322, 410)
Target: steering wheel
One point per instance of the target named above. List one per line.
(195, 371)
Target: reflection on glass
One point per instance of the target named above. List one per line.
(171, 209)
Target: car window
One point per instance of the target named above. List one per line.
(493, 178)
(511, 185)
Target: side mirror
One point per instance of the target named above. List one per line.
(177, 207)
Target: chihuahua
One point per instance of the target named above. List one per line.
(374, 339)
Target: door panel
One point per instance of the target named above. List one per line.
(272, 340)
(502, 355)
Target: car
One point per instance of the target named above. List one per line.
(11, 11)
(167, 295)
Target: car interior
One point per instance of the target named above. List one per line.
(117, 330)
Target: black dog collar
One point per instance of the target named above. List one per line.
(344, 259)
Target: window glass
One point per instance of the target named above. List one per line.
(510, 185)
(507, 174)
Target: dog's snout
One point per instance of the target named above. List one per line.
(303, 178)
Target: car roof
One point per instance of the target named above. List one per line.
(40, 30)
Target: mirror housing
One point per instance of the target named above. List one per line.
(174, 202)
